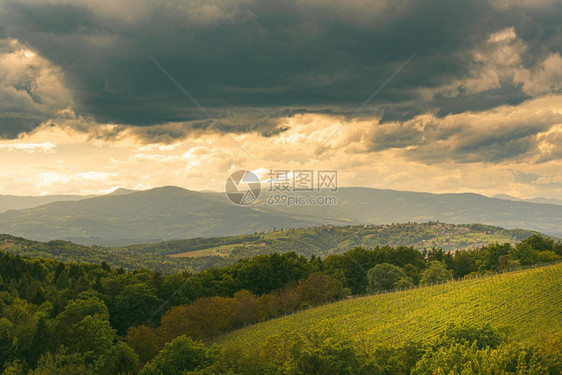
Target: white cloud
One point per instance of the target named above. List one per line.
(28, 147)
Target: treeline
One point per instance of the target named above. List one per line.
(98, 319)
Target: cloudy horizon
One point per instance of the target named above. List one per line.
(434, 96)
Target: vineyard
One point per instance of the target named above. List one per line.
(525, 304)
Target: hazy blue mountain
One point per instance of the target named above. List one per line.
(15, 202)
(146, 216)
(365, 205)
(533, 200)
(174, 213)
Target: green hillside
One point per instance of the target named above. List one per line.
(525, 304)
(202, 253)
(330, 239)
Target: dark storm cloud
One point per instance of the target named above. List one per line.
(273, 55)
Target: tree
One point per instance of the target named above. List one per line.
(547, 256)
(404, 283)
(83, 327)
(507, 263)
(265, 273)
(61, 363)
(204, 318)
(8, 342)
(62, 281)
(383, 277)
(91, 337)
(121, 359)
(525, 253)
(470, 360)
(436, 273)
(464, 262)
(40, 340)
(248, 309)
(412, 272)
(144, 341)
(180, 355)
(133, 306)
(539, 243)
(320, 350)
(319, 288)
(492, 254)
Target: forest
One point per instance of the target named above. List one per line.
(82, 318)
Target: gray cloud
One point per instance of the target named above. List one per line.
(251, 62)
(530, 131)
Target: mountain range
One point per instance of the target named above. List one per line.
(167, 213)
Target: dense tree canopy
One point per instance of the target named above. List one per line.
(91, 318)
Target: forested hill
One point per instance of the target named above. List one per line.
(201, 253)
(69, 318)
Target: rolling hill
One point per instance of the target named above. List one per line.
(201, 253)
(527, 303)
(171, 213)
(326, 240)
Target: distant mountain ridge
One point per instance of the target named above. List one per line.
(532, 200)
(17, 202)
(169, 213)
(14, 202)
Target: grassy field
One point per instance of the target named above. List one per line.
(526, 304)
(222, 251)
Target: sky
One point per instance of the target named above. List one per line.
(422, 95)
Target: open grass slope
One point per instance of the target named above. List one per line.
(526, 303)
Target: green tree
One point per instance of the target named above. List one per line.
(134, 306)
(383, 277)
(8, 342)
(320, 350)
(525, 253)
(547, 256)
(437, 272)
(468, 359)
(83, 327)
(404, 283)
(412, 272)
(492, 254)
(120, 359)
(40, 340)
(178, 356)
(62, 281)
(61, 363)
(539, 243)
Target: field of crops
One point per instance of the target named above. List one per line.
(526, 303)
